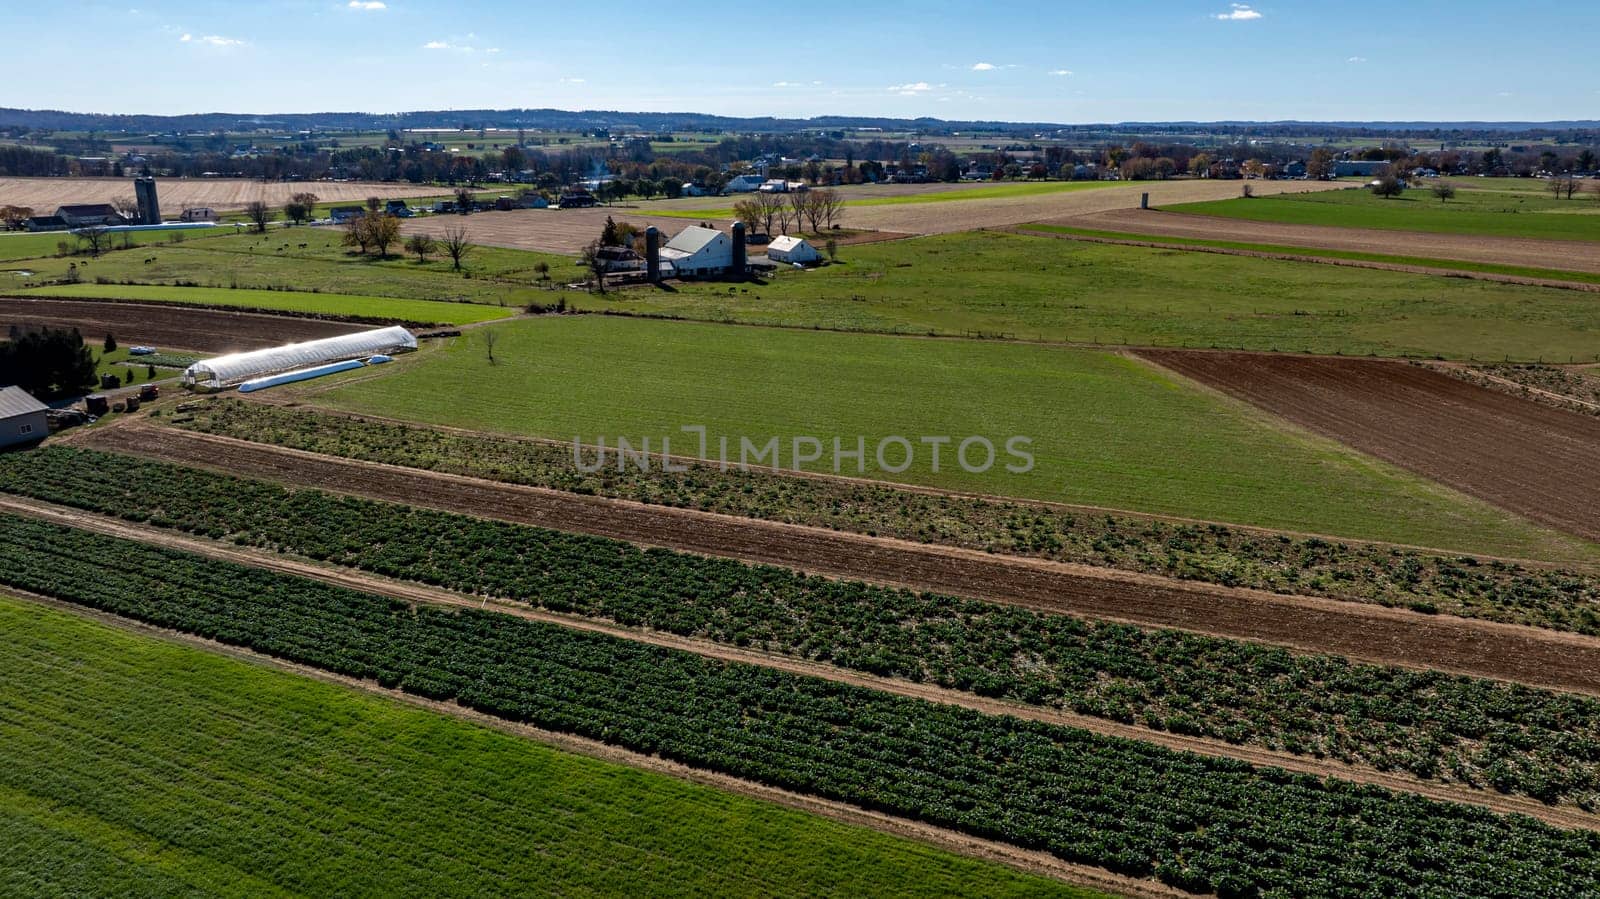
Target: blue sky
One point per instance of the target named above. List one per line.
(1063, 62)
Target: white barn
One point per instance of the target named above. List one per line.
(793, 250)
(698, 251)
(741, 184)
(22, 418)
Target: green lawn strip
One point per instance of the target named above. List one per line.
(365, 307)
(1008, 190)
(18, 247)
(1043, 288)
(1203, 824)
(492, 276)
(1484, 267)
(1425, 582)
(1431, 725)
(137, 767)
(1489, 213)
(1107, 430)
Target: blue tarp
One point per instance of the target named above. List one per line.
(303, 374)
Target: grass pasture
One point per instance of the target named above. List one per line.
(18, 246)
(1107, 430)
(1520, 208)
(138, 767)
(997, 191)
(423, 311)
(1042, 288)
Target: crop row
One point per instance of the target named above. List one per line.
(1492, 590)
(1199, 823)
(1432, 725)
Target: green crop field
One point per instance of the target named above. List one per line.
(133, 766)
(1001, 191)
(1050, 289)
(20, 246)
(1504, 208)
(422, 311)
(1107, 430)
(1519, 271)
(278, 261)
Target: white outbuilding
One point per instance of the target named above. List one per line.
(792, 250)
(214, 374)
(697, 251)
(22, 418)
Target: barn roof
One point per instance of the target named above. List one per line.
(86, 209)
(692, 239)
(786, 243)
(15, 401)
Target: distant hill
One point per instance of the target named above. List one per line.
(585, 120)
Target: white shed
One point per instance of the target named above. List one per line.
(699, 251)
(22, 418)
(213, 374)
(792, 250)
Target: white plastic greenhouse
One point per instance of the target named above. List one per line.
(214, 374)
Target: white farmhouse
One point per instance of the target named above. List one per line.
(698, 251)
(793, 250)
(744, 184)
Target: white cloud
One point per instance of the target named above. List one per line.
(573, 80)
(368, 4)
(984, 67)
(1061, 72)
(492, 50)
(1241, 12)
(911, 87)
(1357, 59)
(211, 40)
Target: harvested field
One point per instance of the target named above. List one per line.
(222, 194)
(166, 326)
(567, 230)
(1537, 461)
(1388, 636)
(1546, 254)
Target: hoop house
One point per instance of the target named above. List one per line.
(214, 374)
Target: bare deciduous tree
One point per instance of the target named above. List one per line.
(799, 204)
(421, 245)
(300, 207)
(490, 338)
(749, 212)
(374, 204)
(383, 230)
(770, 206)
(829, 206)
(455, 245)
(464, 201)
(1445, 191)
(356, 233)
(259, 214)
(591, 259)
(96, 239)
(128, 208)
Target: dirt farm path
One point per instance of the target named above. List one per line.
(1553, 254)
(1560, 816)
(1356, 630)
(1530, 458)
(168, 325)
(1035, 862)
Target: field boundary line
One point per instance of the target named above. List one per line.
(1565, 816)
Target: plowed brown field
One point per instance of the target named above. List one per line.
(1532, 459)
(167, 326)
(1528, 655)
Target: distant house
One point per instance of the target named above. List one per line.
(398, 209)
(532, 200)
(22, 418)
(620, 259)
(504, 203)
(691, 189)
(780, 186)
(1296, 169)
(743, 184)
(793, 250)
(698, 251)
(1364, 168)
(88, 215)
(197, 214)
(341, 214)
(46, 223)
(575, 198)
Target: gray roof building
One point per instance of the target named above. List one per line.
(22, 418)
